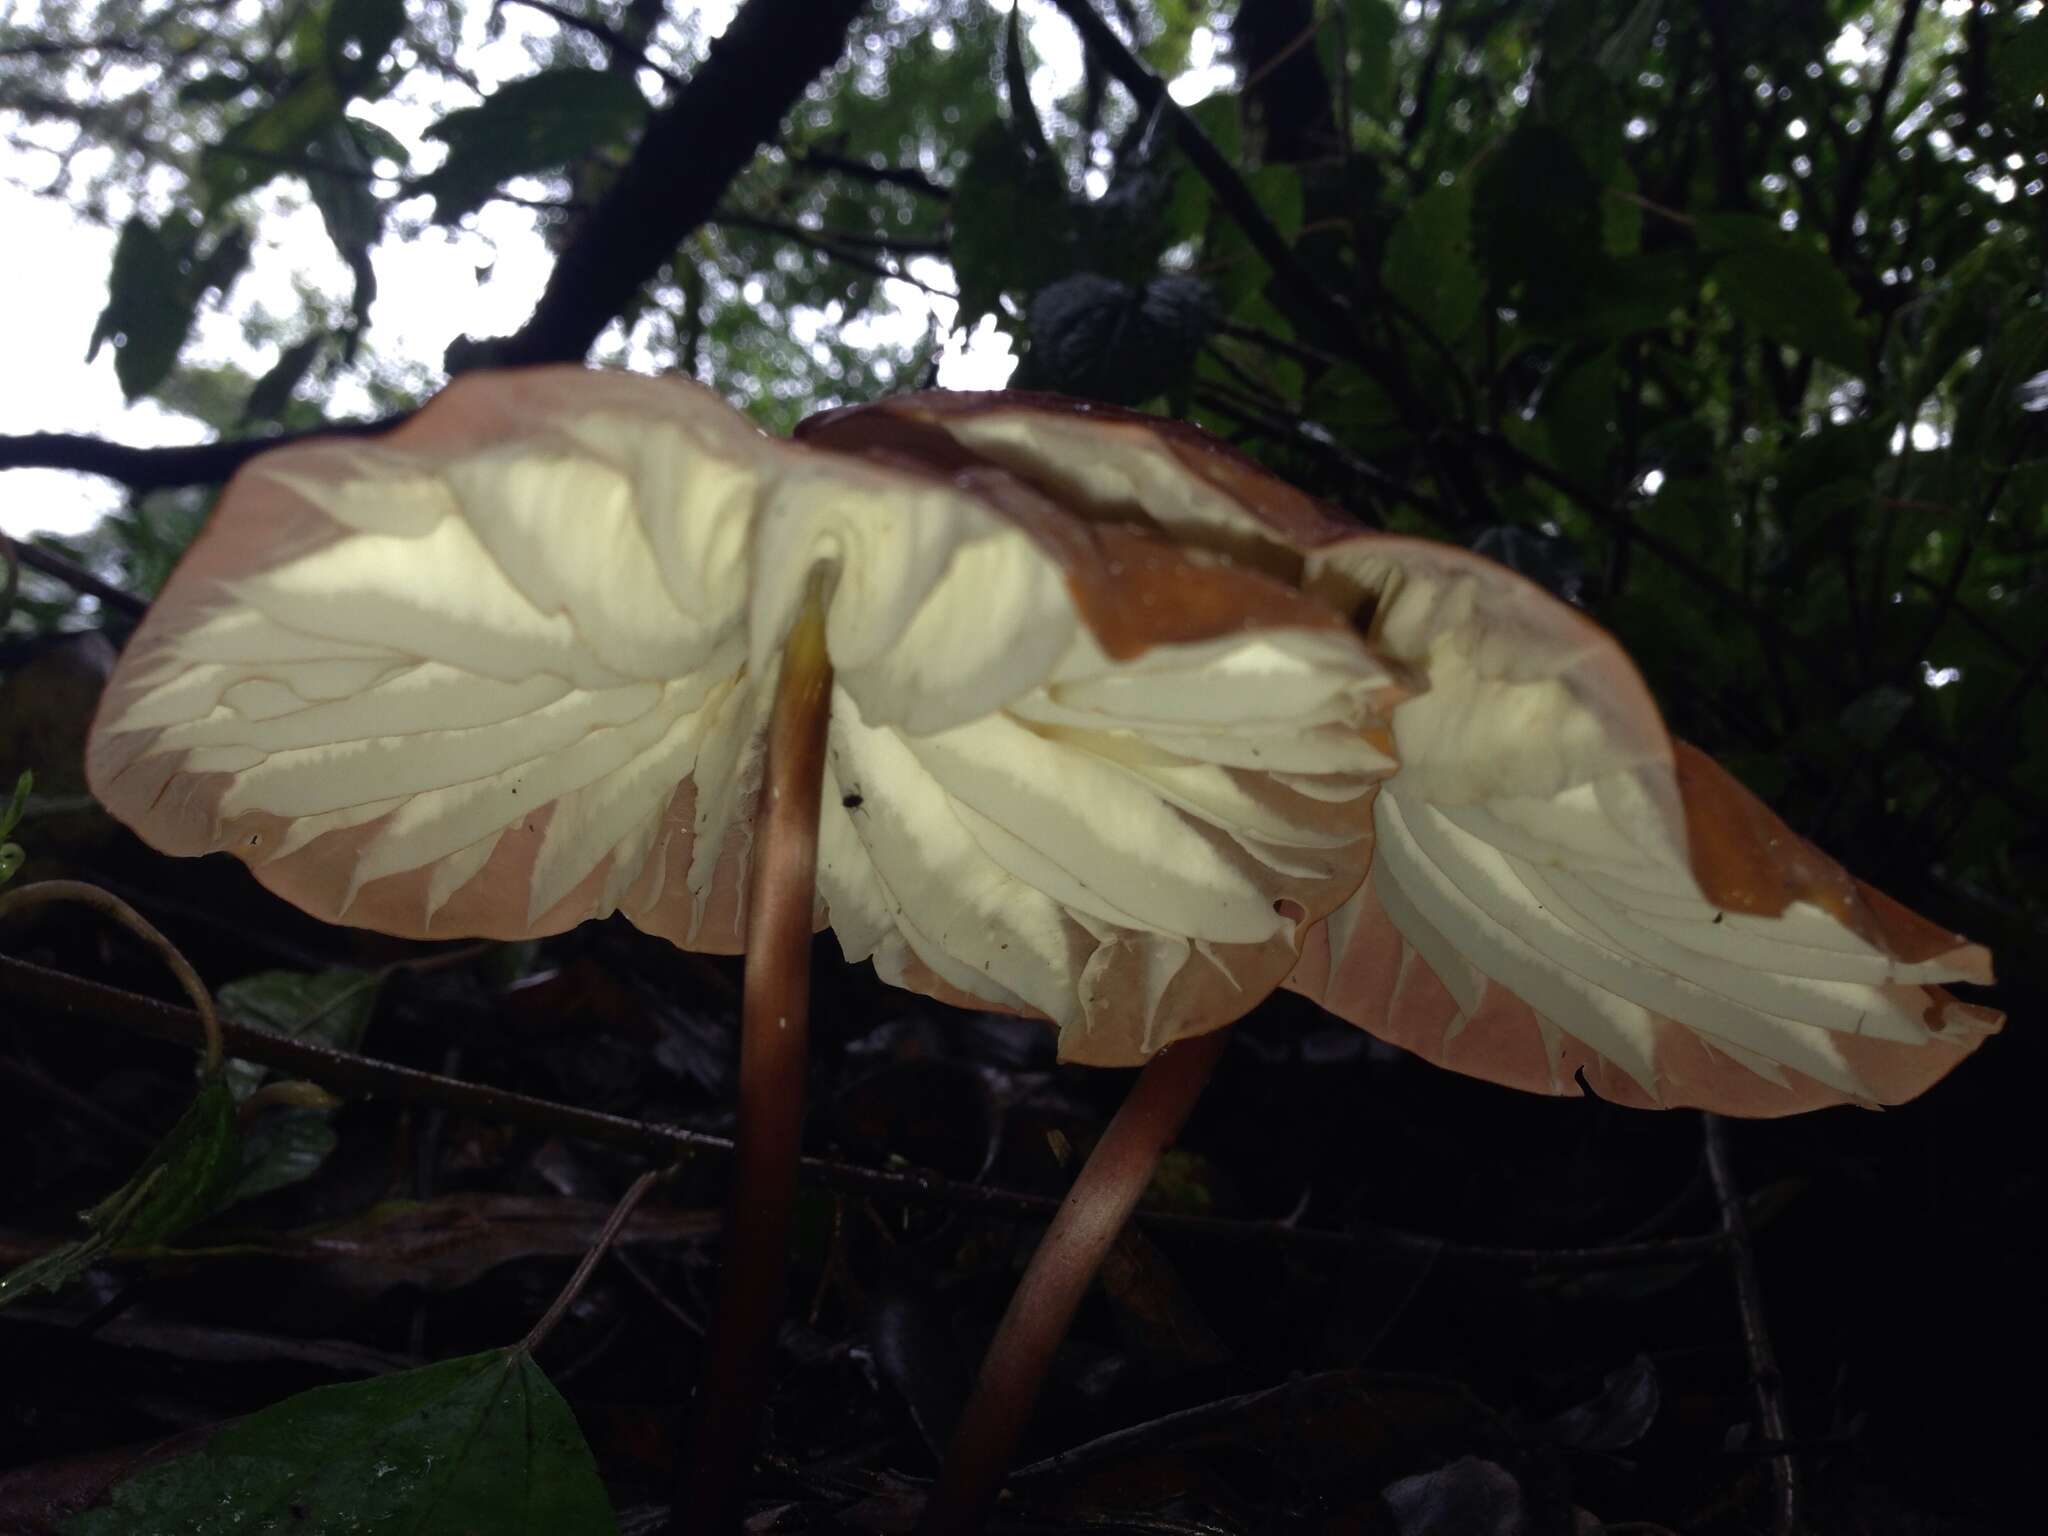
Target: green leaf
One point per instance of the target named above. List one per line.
(1017, 82)
(1577, 411)
(1104, 340)
(1428, 263)
(536, 124)
(286, 1147)
(149, 308)
(11, 854)
(359, 34)
(269, 395)
(353, 214)
(1621, 56)
(1786, 287)
(10, 818)
(191, 1174)
(1369, 30)
(1536, 221)
(1625, 297)
(326, 1007)
(378, 143)
(1013, 226)
(2020, 65)
(270, 142)
(481, 1443)
(1235, 271)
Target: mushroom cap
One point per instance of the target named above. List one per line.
(1562, 896)
(508, 667)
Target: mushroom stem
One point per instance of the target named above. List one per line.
(768, 1143)
(1058, 1276)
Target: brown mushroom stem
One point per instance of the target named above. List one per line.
(1058, 1276)
(774, 1028)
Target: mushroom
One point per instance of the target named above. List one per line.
(573, 642)
(1562, 898)
(1097, 710)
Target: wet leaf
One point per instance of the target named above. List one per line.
(283, 1148)
(1619, 1415)
(481, 1443)
(1469, 1497)
(191, 1174)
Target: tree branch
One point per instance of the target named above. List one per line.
(687, 157)
(74, 576)
(162, 469)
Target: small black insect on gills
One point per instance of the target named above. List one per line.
(851, 802)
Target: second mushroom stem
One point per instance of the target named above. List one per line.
(768, 1142)
(1058, 1277)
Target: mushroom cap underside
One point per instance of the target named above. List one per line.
(506, 668)
(1561, 894)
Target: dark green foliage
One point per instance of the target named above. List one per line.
(481, 1443)
(188, 1176)
(1104, 340)
(536, 124)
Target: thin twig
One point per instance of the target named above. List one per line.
(46, 892)
(600, 1245)
(906, 176)
(816, 240)
(1756, 1339)
(826, 238)
(77, 998)
(73, 575)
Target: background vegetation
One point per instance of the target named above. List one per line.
(1723, 319)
